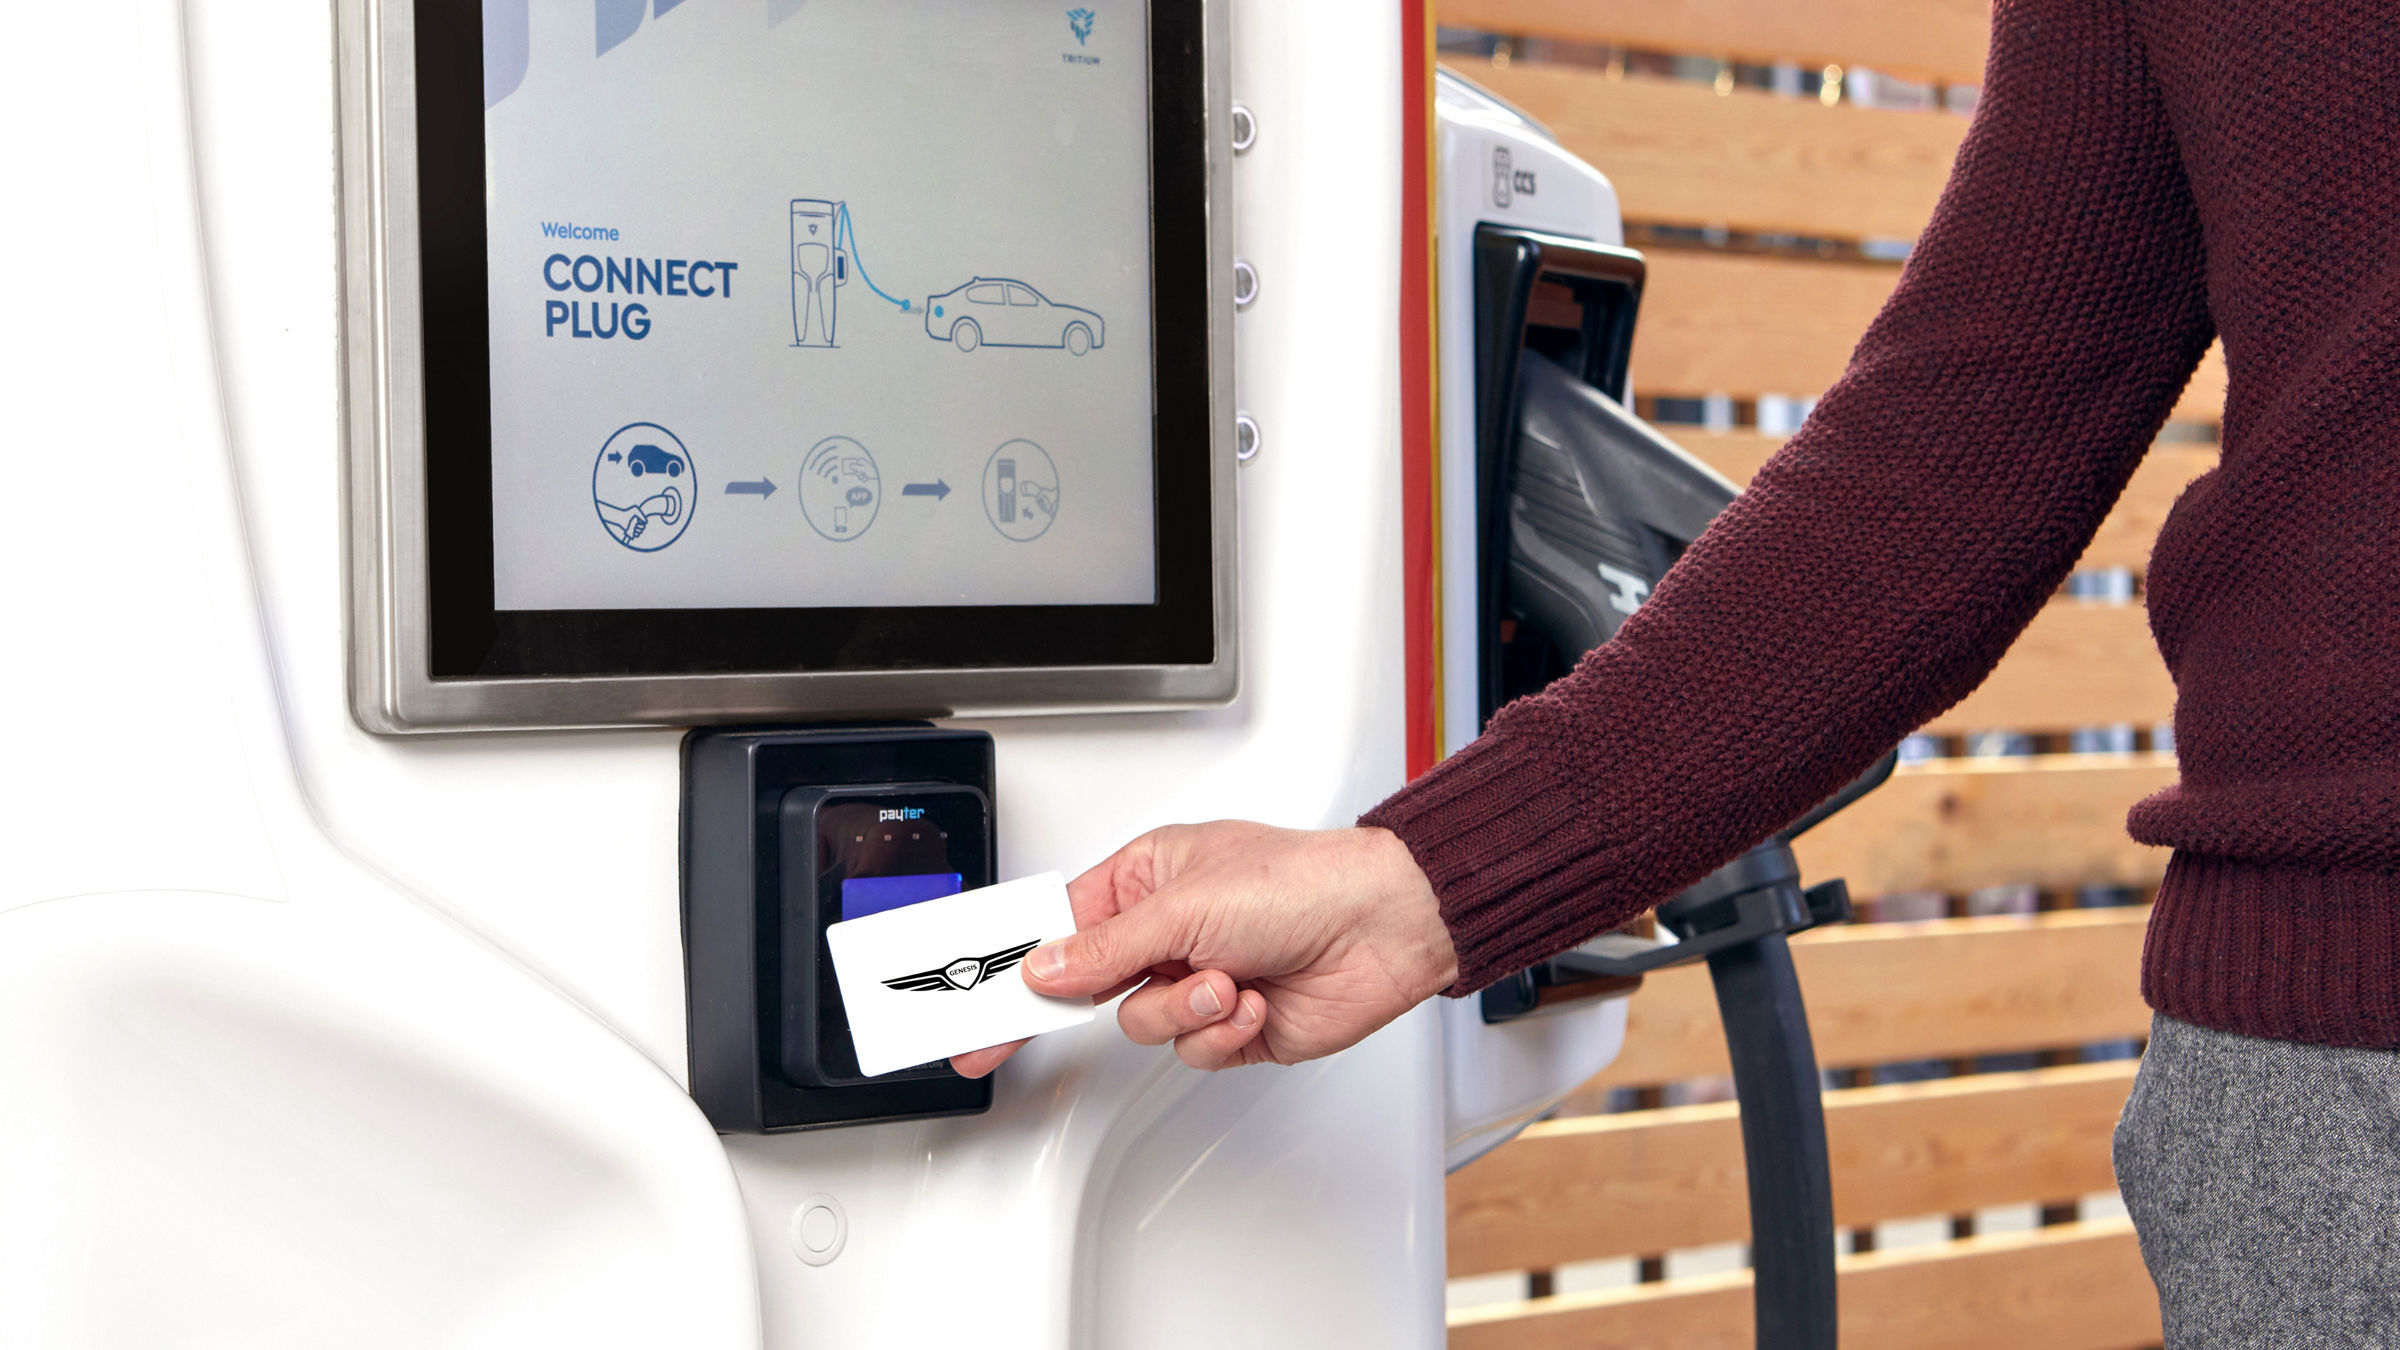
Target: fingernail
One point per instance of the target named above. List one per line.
(1047, 962)
(1245, 1014)
(1205, 1002)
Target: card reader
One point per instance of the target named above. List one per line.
(787, 831)
(853, 851)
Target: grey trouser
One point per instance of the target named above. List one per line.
(2264, 1178)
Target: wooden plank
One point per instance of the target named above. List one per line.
(2125, 538)
(1589, 1187)
(2076, 665)
(1922, 39)
(1750, 324)
(2079, 1286)
(1939, 989)
(1738, 455)
(1747, 324)
(1680, 153)
(2050, 821)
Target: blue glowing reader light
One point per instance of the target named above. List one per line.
(862, 896)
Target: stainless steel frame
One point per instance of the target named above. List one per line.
(383, 403)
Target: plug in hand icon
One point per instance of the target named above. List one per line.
(628, 522)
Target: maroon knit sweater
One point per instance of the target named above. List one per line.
(2142, 175)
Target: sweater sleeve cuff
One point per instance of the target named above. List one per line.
(1519, 875)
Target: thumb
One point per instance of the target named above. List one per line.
(1108, 953)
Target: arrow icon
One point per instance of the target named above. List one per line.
(937, 489)
(762, 488)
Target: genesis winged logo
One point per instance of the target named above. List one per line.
(964, 973)
(1081, 21)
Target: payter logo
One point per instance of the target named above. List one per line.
(964, 973)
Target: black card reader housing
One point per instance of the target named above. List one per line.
(835, 836)
(782, 827)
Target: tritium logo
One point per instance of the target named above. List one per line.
(1081, 21)
(964, 973)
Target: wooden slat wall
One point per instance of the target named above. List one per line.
(2049, 681)
(1746, 322)
(2057, 1288)
(1939, 989)
(1683, 154)
(1747, 160)
(1957, 826)
(1573, 1189)
(1761, 324)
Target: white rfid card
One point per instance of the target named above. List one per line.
(939, 977)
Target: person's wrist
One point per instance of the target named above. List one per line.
(1406, 898)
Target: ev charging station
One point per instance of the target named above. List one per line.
(520, 583)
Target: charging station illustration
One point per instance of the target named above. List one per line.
(642, 487)
(840, 489)
(1020, 490)
(820, 266)
(824, 249)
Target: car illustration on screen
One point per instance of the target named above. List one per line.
(651, 459)
(1003, 312)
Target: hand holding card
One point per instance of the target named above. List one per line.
(939, 977)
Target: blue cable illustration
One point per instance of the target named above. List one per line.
(844, 230)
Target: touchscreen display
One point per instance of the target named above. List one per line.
(835, 303)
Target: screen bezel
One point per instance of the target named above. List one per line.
(430, 651)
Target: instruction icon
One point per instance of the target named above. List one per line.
(642, 487)
(840, 489)
(1020, 490)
